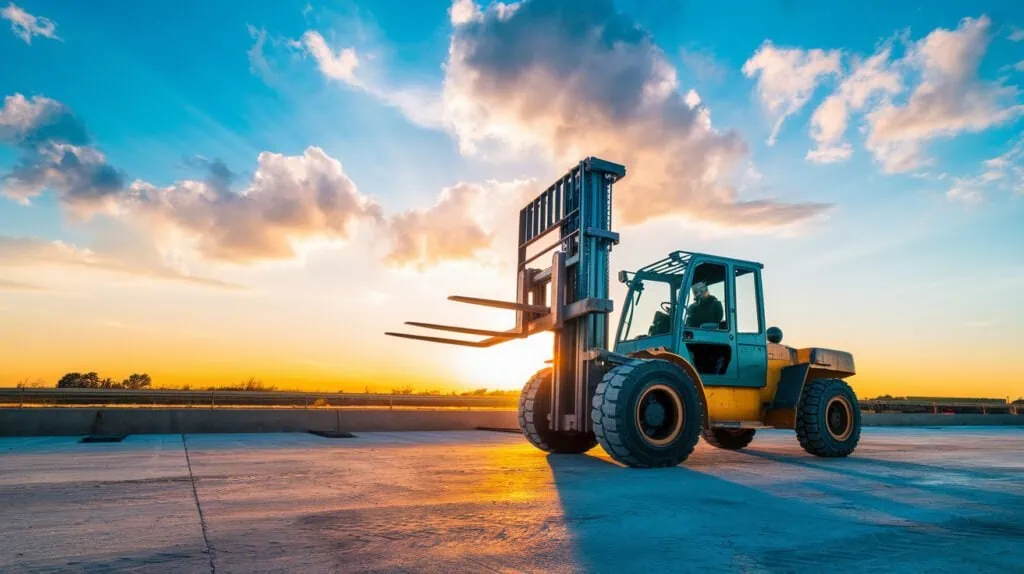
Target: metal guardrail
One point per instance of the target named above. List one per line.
(218, 398)
(932, 407)
(225, 398)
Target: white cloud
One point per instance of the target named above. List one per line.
(946, 98)
(80, 174)
(829, 121)
(420, 105)
(287, 203)
(1006, 171)
(949, 99)
(787, 77)
(564, 79)
(337, 66)
(25, 25)
(869, 78)
(1001, 173)
(568, 79)
(463, 11)
(965, 192)
(288, 198)
(19, 115)
(830, 154)
(1016, 34)
(257, 59)
(692, 98)
(55, 153)
(446, 231)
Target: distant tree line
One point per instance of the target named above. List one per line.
(408, 390)
(93, 381)
(142, 381)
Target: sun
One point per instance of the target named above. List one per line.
(506, 366)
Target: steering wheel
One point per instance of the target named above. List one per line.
(666, 306)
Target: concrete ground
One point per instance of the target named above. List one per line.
(918, 500)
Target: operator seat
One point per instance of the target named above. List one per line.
(661, 325)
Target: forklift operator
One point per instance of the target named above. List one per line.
(706, 308)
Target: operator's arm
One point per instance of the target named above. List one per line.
(716, 312)
(691, 316)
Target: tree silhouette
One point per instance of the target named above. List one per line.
(137, 381)
(92, 381)
(79, 381)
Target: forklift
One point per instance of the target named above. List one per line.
(692, 356)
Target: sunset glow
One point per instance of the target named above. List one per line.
(262, 189)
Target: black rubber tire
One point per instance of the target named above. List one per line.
(811, 424)
(613, 413)
(729, 439)
(534, 406)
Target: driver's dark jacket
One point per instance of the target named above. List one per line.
(705, 310)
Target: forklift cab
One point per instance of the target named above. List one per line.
(660, 311)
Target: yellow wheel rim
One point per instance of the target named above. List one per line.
(659, 415)
(839, 418)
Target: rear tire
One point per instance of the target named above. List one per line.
(828, 418)
(534, 406)
(728, 439)
(647, 413)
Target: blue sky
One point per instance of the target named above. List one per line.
(158, 85)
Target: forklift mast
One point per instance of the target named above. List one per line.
(579, 208)
(570, 297)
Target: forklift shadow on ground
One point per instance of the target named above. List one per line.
(685, 518)
(682, 519)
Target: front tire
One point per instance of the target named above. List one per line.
(828, 418)
(728, 439)
(647, 413)
(534, 406)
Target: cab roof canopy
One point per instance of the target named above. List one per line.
(675, 264)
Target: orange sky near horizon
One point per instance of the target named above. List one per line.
(333, 344)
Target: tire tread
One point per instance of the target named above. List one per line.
(810, 430)
(604, 406)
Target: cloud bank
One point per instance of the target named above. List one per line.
(575, 78)
(287, 199)
(55, 153)
(949, 99)
(932, 91)
(571, 78)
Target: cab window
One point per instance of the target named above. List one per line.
(706, 300)
(748, 312)
(649, 314)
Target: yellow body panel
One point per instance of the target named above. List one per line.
(779, 418)
(779, 357)
(745, 404)
(733, 403)
(730, 404)
(775, 367)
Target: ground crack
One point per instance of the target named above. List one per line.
(195, 495)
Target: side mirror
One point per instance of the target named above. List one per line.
(624, 277)
(774, 335)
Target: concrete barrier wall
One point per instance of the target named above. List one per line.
(83, 421)
(928, 420)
